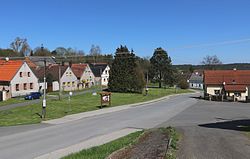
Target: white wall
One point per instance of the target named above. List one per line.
(22, 80)
(55, 86)
(196, 85)
(210, 89)
(69, 80)
(105, 76)
(88, 77)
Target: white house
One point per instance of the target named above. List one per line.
(68, 79)
(196, 80)
(16, 78)
(101, 72)
(84, 74)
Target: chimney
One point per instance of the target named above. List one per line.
(7, 59)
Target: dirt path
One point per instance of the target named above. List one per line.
(152, 145)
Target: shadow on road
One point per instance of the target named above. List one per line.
(238, 125)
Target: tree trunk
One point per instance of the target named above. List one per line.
(160, 80)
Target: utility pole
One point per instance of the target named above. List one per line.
(101, 78)
(147, 85)
(44, 90)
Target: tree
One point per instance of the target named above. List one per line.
(8, 53)
(211, 60)
(161, 67)
(125, 75)
(95, 50)
(41, 51)
(20, 46)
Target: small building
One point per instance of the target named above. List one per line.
(101, 72)
(227, 84)
(39, 60)
(84, 74)
(196, 80)
(68, 79)
(17, 78)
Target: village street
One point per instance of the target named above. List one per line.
(190, 115)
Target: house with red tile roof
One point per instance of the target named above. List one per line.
(17, 78)
(227, 84)
(84, 74)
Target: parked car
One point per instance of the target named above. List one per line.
(33, 95)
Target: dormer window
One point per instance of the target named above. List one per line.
(28, 74)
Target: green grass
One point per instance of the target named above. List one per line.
(103, 151)
(79, 103)
(12, 101)
(175, 137)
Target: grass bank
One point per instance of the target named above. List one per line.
(12, 101)
(173, 147)
(78, 103)
(103, 151)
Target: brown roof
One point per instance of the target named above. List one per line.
(217, 77)
(30, 63)
(78, 69)
(241, 88)
(8, 69)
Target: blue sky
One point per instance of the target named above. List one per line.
(187, 29)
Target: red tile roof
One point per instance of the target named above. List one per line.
(8, 69)
(78, 69)
(217, 77)
(229, 88)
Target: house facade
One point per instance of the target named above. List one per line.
(227, 84)
(84, 74)
(68, 80)
(101, 72)
(16, 78)
(196, 80)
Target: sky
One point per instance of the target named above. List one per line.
(187, 29)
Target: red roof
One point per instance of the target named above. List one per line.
(241, 88)
(78, 69)
(236, 77)
(8, 69)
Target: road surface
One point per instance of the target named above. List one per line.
(35, 140)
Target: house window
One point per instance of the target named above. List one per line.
(17, 87)
(237, 94)
(31, 85)
(106, 72)
(73, 83)
(66, 73)
(64, 83)
(68, 84)
(104, 79)
(20, 74)
(28, 74)
(25, 86)
(216, 92)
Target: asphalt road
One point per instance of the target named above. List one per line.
(34, 140)
(213, 130)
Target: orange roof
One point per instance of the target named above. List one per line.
(217, 77)
(78, 69)
(240, 88)
(8, 69)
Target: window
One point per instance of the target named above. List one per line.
(64, 83)
(20, 74)
(66, 73)
(106, 72)
(25, 86)
(90, 77)
(216, 92)
(68, 84)
(104, 79)
(17, 87)
(73, 83)
(237, 94)
(31, 85)
(28, 74)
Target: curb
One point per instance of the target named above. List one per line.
(78, 116)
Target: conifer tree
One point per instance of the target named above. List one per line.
(125, 75)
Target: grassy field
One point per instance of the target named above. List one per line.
(77, 104)
(101, 152)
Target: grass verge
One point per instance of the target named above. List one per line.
(173, 147)
(77, 104)
(101, 152)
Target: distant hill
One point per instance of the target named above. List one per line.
(238, 66)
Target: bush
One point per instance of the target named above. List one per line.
(183, 84)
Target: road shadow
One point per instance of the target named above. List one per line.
(197, 97)
(238, 125)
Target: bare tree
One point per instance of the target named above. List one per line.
(20, 46)
(95, 50)
(211, 60)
